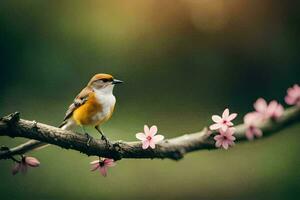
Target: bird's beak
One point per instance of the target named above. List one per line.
(116, 81)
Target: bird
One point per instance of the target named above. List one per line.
(93, 106)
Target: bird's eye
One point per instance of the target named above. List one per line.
(104, 80)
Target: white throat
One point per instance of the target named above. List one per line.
(106, 98)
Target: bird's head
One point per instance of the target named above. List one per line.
(103, 82)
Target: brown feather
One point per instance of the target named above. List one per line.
(80, 99)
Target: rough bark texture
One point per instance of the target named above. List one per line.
(174, 148)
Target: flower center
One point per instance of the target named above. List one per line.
(225, 121)
(149, 138)
(101, 163)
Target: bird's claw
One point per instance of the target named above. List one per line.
(107, 142)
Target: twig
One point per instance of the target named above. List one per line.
(174, 148)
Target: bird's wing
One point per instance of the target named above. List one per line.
(80, 99)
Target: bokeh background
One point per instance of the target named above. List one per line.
(182, 61)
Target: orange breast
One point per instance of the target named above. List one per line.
(85, 114)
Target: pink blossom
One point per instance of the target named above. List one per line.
(223, 122)
(149, 138)
(274, 110)
(22, 166)
(225, 138)
(251, 120)
(102, 164)
(261, 106)
(293, 95)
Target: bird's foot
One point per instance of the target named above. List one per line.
(107, 142)
(89, 138)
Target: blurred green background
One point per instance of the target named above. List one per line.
(182, 61)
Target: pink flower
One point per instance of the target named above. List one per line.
(102, 164)
(24, 163)
(251, 120)
(223, 122)
(149, 138)
(274, 110)
(293, 95)
(225, 138)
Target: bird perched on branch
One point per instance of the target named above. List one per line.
(93, 106)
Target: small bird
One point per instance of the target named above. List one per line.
(93, 106)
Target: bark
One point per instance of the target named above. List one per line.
(174, 148)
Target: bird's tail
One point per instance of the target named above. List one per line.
(65, 125)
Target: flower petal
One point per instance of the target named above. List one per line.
(260, 105)
(257, 132)
(32, 162)
(153, 130)
(225, 113)
(272, 107)
(218, 143)
(140, 136)
(231, 138)
(103, 171)
(146, 130)
(225, 145)
(94, 162)
(218, 137)
(216, 118)
(224, 127)
(230, 131)
(158, 138)
(95, 166)
(279, 111)
(152, 144)
(253, 118)
(215, 126)
(145, 144)
(290, 100)
(249, 134)
(109, 162)
(232, 116)
(229, 123)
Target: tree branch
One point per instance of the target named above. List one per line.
(174, 148)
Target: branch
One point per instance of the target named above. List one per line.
(174, 148)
